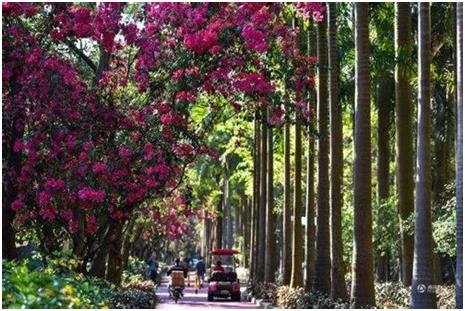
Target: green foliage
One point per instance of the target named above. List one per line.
(444, 223)
(386, 229)
(389, 295)
(55, 285)
(132, 298)
(136, 270)
(62, 262)
(268, 292)
(392, 295)
(321, 301)
(23, 287)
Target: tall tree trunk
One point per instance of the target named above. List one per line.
(270, 257)
(404, 136)
(322, 281)
(208, 238)
(219, 225)
(261, 237)
(287, 225)
(297, 251)
(100, 261)
(228, 217)
(384, 154)
(128, 241)
(115, 259)
(422, 278)
(203, 247)
(246, 226)
(459, 161)
(363, 293)
(256, 197)
(310, 196)
(338, 285)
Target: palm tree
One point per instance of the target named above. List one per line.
(459, 160)
(287, 229)
(404, 136)
(261, 234)
(297, 251)
(338, 287)
(423, 274)
(322, 281)
(256, 196)
(363, 293)
(310, 195)
(270, 258)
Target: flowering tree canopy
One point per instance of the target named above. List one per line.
(97, 103)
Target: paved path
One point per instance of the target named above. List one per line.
(193, 301)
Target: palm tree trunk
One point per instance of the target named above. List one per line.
(270, 258)
(384, 154)
(261, 237)
(219, 225)
(404, 137)
(297, 251)
(322, 281)
(362, 266)
(338, 285)
(287, 229)
(256, 198)
(459, 161)
(247, 226)
(423, 276)
(310, 196)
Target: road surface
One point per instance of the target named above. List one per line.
(193, 301)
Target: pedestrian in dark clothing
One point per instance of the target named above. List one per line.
(200, 268)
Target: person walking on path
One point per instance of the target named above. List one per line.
(153, 267)
(200, 269)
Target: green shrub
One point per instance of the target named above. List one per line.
(446, 296)
(146, 286)
(132, 298)
(264, 291)
(392, 295)
(316, 300)
(46, 288)
(290, 298)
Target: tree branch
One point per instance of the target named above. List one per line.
(81, 54)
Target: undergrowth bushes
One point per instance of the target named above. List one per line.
(23, 287)
(389, 295)
(55, 284)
